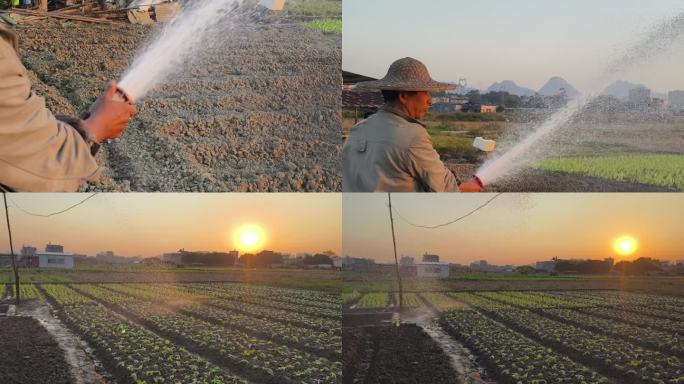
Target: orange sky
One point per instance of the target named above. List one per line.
(152, 224)
(515, 228)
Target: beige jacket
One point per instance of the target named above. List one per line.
(37, 152)
(392, 152)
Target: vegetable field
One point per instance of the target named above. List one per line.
(204, 332)
(660, 170)
(572, 337)
(516, 337)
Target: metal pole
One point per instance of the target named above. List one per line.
(13, 257)
(396, 260)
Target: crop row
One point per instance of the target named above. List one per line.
(273, 362)
(653, 338)
(130, 350)
(441, 301)
(285, 295)
(411, 300)
(632, 363)
(512, 357)
(328, 341)
(350, 297)
(193, 293)
(27, 292)
(373, 300)
(221, 292)
(661, 306)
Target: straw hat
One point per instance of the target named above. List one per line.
(405, 74)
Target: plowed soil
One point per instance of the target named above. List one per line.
(28, 354)
(390, 354)
(259, 112)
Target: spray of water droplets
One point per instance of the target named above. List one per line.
(179, 42)
(662, 37)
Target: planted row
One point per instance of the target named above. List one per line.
(273, 363)
(629, 362)
(512, 357)
(328, 341)
(130, 351)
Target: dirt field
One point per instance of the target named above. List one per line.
(28, 354)
(260, 113)
(379, 354)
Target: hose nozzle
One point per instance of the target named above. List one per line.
(479, 181)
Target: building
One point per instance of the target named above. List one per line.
(432, 270)
(487, 108)
(639, 97)
(430, 267)
(675, 100)
(484, 266)
(53, 257)
(406, 261)
(546, 266)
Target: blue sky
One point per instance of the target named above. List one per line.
(527, 41)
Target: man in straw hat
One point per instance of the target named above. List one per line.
(391, 151)
(42, 152)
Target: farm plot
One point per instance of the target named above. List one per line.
(183, 333)
(257, 111)
(571, 332)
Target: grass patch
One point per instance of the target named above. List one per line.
(315, 8)
(661, 170)
(333, 26)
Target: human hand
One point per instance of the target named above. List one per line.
(472, 185)
(110, 114)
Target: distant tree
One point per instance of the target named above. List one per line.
(263, 259)
(640, 266)
(317, 259)
(525, 269)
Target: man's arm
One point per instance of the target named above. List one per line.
(38, 152)
(426, 166)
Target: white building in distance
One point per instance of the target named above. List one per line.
(53, 257)
(430, 267)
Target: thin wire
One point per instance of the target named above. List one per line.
(450, 222)
(54, 213)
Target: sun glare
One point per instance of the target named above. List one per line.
(249, 238)
(625, 245)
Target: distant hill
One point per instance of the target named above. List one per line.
(554, 85)
(510, 87)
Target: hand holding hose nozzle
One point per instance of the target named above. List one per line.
(475, 184)
(110, 114)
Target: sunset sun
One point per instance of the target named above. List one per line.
(249, 238)
(625, 245)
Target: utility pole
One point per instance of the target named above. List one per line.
(13, 257)
(396, 260)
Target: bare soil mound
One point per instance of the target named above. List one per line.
(28, 354)
(390, 354)
(259, 111)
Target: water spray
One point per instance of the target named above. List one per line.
(180, 41)
(655, 43)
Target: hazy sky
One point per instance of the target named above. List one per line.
(152, 224)
(527, 41)
(514, 228)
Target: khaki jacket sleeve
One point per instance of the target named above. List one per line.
(427, 167)
(37, 152)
